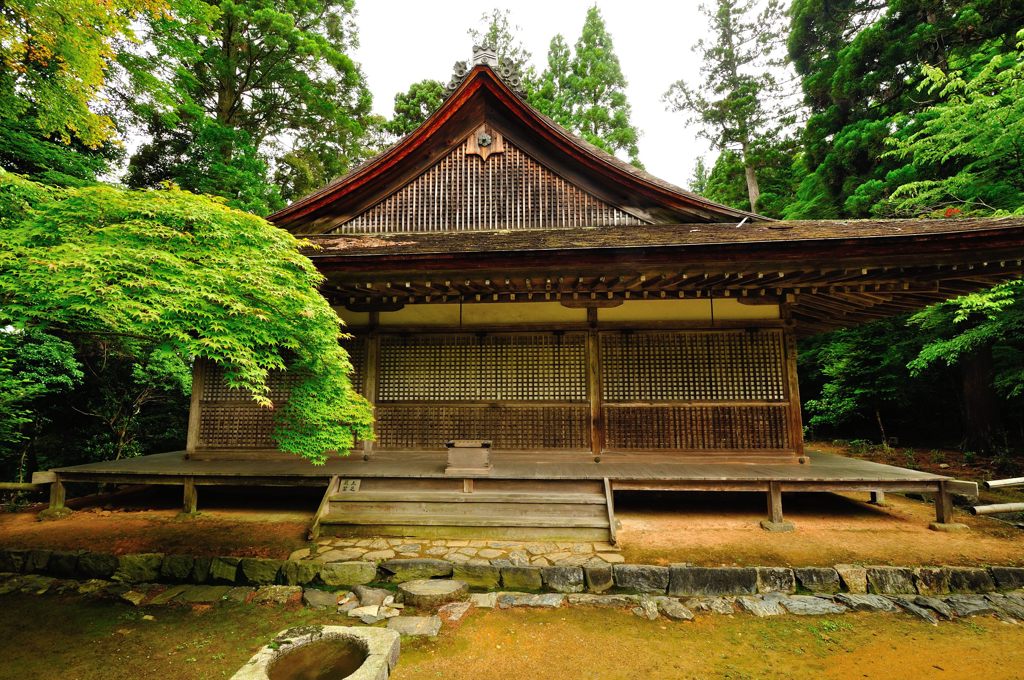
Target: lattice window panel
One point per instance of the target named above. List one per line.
(697, 427)
(229, 418)
(508, 191)
(512, 367)
(508, 427)
(356, 348)
(693, 366)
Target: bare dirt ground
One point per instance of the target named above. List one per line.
(699, 528)
(246, 523)
(722, 529)
(49, 636)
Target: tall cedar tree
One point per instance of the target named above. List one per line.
(736, 99)
(414, 106)
(586, 92)
(243, 81)
(550, 94)
(860, 65)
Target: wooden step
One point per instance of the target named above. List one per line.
(474, 521)
(461, 497)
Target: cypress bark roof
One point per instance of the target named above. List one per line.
(483, 98)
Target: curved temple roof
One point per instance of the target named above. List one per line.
(483, 98)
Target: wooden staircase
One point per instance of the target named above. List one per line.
(570, 510)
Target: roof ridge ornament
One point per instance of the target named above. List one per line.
(486, 55)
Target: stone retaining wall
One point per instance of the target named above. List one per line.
(678, 580)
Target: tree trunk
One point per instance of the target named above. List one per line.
(980, 405)
(753, 190)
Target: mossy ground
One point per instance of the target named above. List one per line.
(77, 638)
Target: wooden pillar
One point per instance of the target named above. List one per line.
(369, 386)
(594, 384)
(775, 521)
(191, 497)
(796, 426)
(943, 505)
(58, 494)
(199, 375)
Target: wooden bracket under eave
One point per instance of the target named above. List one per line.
(484, 142)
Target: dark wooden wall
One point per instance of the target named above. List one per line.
(717, 393)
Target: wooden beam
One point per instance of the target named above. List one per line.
(58, 494)
(199, 371)
(594, 384)
(190, 498)
(610, 501)
(943, 505)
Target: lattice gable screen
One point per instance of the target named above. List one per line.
(463, 192)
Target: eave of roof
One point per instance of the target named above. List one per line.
(482, 77)
(790, 236)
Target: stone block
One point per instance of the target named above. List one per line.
(859, 602)
(414, 569)
(970, 580)
(970, 605)
(63, 564)
(224, 570)
(416, 626)
(759, 606)
(775, 580)
(687, 580)
(807, 605)
(368, 596)
(542, 601)
(477, 574)
(890, 580)
(521, 578)
(853, 577)
(348, 573)
(432, 593)
(674, 609)
(599, 579)
(932, 580)
(817, 579)
(36, 561)
(12, 561)
(562, 579)
(259, 572)
(143, 568)
(299, 573)
(1008, 578)
(319, 599)
(641, 578)
(96, 565)
(201, 569)
(177, 568)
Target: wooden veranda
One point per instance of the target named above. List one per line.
(526, 495)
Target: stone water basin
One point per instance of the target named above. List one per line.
(325, 653)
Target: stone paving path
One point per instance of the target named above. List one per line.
(500, 553)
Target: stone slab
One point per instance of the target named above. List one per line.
(416, 626)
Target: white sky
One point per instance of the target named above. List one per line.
(404, 41)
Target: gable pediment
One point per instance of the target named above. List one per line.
(485, 183)
(439, 178)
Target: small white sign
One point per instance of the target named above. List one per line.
(349, 485)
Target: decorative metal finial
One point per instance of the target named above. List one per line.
(485, 55)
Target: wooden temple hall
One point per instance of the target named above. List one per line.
(539, 324)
